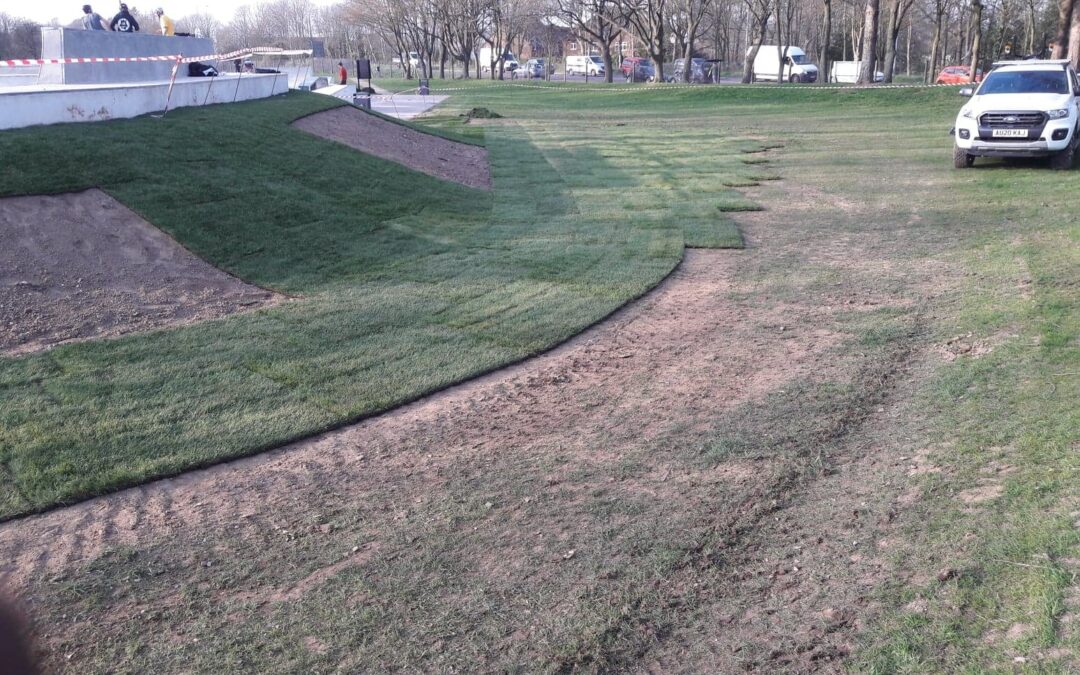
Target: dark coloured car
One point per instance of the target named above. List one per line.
(701, 70)
(533, 69)
(638, 69)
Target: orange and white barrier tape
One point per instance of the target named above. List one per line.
(238, 54)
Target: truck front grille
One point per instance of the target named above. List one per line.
(1012, 120)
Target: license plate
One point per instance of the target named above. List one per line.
(1010, 133)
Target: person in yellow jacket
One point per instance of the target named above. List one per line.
(165, 23)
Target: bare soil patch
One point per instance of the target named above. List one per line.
(82, 265)
(435, 156)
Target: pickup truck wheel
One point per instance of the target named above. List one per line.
(961, 158)
(1063, 160)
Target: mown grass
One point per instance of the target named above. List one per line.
(404, 283)
(1004, 241)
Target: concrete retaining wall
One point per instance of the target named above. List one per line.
(66, 43)
(28, 106)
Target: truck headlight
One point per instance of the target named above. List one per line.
(970, 114)
(1057, 114)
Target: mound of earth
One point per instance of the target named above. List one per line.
(82, 265)
(435, 156)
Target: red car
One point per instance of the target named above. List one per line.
(957, 75)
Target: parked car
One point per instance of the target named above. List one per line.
(549, 68)
(700, 70)
(1021, 109)
(637, 69)
(585, 65)
(533, 68)
(957, 75)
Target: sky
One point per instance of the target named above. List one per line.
(67, 11)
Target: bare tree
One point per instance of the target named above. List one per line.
(936, 14)
(686, 17)
(897, 10)
(201, 24)
(460, 31)
(502, 23)
(1065, 16)
(759, 11)
(869, 43)
(19, 38)
(976, 39)
(826, 28)
(648, 19)
(595, 21)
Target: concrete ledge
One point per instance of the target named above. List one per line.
(51, 104)
(63, 43)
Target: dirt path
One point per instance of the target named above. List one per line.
(82, 265)
(621, 415)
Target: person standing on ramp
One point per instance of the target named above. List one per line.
(92, 20)
(124, 22)
(164, 22)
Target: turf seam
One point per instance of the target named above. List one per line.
(350, 421)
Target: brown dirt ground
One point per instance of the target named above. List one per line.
(802, 560)
(435, 156)
(81, 265)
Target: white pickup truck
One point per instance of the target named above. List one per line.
(1021, 109)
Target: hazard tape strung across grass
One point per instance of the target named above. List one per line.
(238, 54)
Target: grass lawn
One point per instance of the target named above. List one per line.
(404, 283)
(596, 195)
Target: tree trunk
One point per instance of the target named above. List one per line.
(892, 35)
(976, 37)
(827, 29)
(866, 70)
(606, 55)
(1031, 32)
(935, 47)
(1074, 37)
(748, 66)
(907, 56)
(1061, 41)
(780, 51)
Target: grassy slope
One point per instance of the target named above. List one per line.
(408, 283)
(1010, 230)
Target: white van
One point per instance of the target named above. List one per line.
(509, 63)
(848, 71)
(797, 68)
(585, 65)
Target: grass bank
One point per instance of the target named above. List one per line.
(404, 283)
(942, 422)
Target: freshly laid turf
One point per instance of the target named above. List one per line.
(464, 576)
(405, 283)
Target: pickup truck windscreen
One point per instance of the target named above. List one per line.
(1025, 82)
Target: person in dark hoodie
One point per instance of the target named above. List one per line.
(123, 22)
